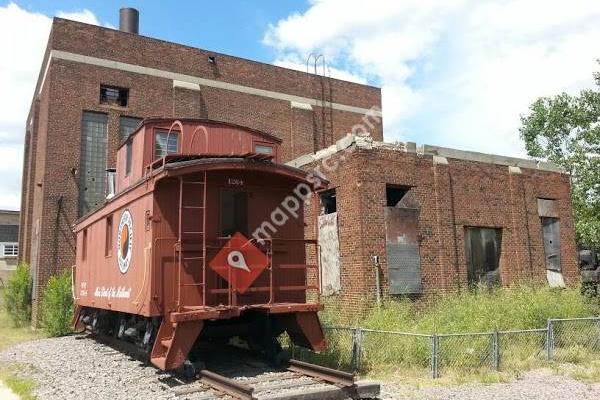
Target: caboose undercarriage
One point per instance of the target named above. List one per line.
(170, 343)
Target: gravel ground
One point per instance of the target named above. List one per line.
(72, 367)
(68, 368)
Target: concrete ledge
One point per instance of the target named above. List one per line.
(301, 106)
(186, 85)
(441, 155)
(514, 170)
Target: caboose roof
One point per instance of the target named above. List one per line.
(199, 121)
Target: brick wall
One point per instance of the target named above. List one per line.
(52, 148)
(451, 197)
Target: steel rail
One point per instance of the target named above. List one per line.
(227, 386)
(330, 375)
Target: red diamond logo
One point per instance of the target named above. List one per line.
(239, 262)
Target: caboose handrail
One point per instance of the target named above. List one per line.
(271, 287)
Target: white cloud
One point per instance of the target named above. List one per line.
(22, 52)
(456, 73)
(85, 16)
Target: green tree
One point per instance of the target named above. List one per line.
(565, 130)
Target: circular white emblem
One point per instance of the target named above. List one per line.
(125, 241)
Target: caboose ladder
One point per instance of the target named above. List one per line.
(191, 208)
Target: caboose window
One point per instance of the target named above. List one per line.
(263, 149)
(109, 240)
(84, 245)
(128, 156)
(234, 212)
(161, 147)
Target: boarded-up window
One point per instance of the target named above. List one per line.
(92, 183)
(330, 254)
(482, 248)
(401, 236)
(551, 233)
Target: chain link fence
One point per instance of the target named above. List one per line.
(368, 350)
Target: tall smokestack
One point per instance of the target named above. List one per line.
(129, 20)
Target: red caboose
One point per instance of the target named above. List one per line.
(202, 241)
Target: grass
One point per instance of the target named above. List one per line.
(10, 335)
(22, 387)
(462, 358)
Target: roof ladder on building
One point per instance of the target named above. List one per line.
(326, 100)
(191, 208)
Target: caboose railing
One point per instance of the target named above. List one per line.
(271, 288)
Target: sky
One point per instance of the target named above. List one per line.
(455, 73)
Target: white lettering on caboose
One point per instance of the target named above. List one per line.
(112, 292)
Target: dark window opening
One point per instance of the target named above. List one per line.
(482, 248)
(394, 194)
(114, 95)
(328, 202)
(161, 147)
(108, 240)
(234, 212)
(128, 157)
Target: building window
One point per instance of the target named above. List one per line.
(127, 126)
(394, 194)
(482, 248)
(128, 157)
(10, 250)
(161, 147)
(328, 201)
(263, 149)
(94, 139)
(109, 232)
(114, 95)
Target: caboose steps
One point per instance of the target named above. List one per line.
(173, 343)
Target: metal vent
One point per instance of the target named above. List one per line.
(129, 20)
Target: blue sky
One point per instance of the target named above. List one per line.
(231, 27)
(456, 73)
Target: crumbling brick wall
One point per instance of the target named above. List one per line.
(452, 194)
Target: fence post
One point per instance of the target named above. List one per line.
(496, 350)
(550, 340)
(357, 338)
(434, 356)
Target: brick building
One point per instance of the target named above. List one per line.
(96, 84)
(418, 220)
(9, 243)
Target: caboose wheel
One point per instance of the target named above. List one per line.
(189, 369)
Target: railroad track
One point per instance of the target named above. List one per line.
(300, 381)
(233, 373)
